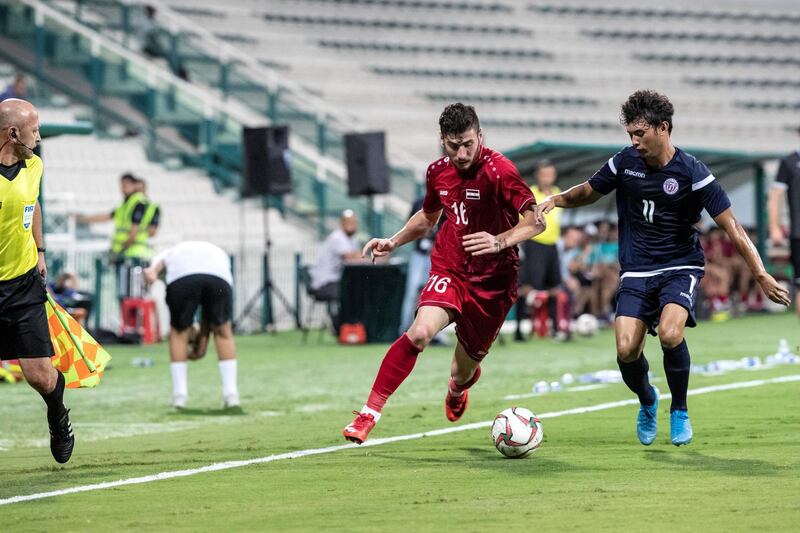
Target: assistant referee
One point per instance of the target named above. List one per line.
(24, 334)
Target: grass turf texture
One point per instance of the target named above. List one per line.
(741, 472)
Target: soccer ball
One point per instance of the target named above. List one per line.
(517, 432)
(586, 325)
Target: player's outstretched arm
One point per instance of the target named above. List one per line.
(774, 291)
(417, 226)
(91, 219)
(577, 196)
(530, 225)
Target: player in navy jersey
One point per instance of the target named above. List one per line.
(474, 262)
(661, 191)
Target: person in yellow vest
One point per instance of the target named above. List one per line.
(540, 269)
(24, 333)
(130, 244)
(152, 213)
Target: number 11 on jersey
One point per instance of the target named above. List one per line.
(649, 210)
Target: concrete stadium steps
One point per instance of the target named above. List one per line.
(347, 52)
(89, 168)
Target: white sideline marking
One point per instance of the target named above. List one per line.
(374, 442)
(580, 388)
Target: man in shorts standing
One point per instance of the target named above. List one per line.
(198, 274)
(24, 333)
(787, 184)
(474, 262)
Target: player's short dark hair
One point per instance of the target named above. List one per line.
(129, 177)
(458, 118)
(650, 106)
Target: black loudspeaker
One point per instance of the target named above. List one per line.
(367, 169)
(267, 165)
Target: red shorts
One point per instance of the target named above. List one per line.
(480, 306)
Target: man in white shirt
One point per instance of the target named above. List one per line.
(339, 248)
(198, 274)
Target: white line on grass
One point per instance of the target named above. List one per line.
(374, 442)
(580, 388)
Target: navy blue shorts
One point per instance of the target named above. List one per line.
(644, 298)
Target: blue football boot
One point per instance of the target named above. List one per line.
(680, 429)
(646, 423)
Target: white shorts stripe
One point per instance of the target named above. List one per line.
(657, 272)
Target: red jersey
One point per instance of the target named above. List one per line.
(489, 197)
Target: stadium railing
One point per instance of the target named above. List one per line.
(206, 128)
(235, 74)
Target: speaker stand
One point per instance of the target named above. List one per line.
(267, 289)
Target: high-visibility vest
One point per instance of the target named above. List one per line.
(17, 206)
(140, 249)
(553, 231)
(147, 219)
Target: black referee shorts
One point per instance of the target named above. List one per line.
(794, 245)
(211, 293)
(23, 318)
(540, 267)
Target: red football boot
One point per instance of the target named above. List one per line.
(358, 430)
(454, 406)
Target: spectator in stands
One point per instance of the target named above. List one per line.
(574, 270)
(716, 283)
(540, 269)
(153, 211)
(198, 276)
(65, 292)
(340, 247)
(130, 245)
(787, 184)
(17, 89)
(604, 269)
(149, 36)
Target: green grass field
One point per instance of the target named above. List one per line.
(742, 472)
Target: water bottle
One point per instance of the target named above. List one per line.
(783, 348)
(541, 387)
(750, 363)
(136, 282)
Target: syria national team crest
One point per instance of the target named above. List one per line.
(671, 186)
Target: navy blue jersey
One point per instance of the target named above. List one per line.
(658, 209)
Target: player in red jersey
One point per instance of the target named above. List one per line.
(474, 262)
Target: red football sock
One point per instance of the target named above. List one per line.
(457, 389)
(395, 368)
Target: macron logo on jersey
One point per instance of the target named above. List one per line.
(442, 193)
(633, 173)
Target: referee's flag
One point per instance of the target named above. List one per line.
(78, 356)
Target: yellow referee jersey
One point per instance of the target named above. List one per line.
(553, 231)
(17, 203)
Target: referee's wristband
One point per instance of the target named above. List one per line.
(41, 250)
